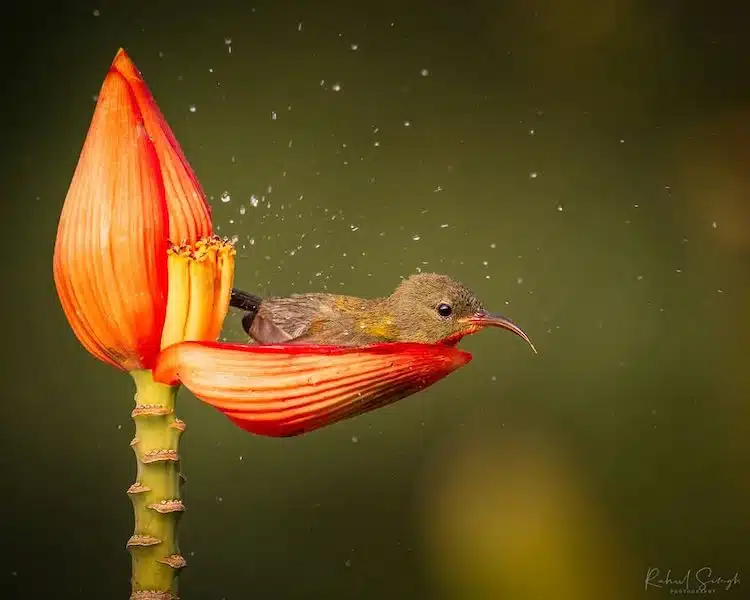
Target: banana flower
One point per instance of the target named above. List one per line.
(145, 286)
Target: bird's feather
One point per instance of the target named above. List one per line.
(280, 320)
(319, 319)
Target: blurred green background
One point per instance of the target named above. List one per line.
(584, 166)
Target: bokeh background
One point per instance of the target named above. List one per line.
(584, 166)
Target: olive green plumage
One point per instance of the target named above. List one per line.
(426, 307)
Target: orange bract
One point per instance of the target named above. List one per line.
(189, 214)
(286, 390)
(131, 192)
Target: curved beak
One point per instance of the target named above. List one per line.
(487, 319)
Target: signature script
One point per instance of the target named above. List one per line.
(700, 581)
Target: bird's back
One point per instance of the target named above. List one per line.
(313, 319)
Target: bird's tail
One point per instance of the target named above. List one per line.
(245, 301)
(248, 302)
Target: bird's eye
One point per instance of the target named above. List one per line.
(444, 310)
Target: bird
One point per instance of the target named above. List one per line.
(425, 307)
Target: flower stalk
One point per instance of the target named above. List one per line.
(155, 494)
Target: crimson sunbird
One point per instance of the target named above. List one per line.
(426, 307)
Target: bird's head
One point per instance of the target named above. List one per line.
(430, 308)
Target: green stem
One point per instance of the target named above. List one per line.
(156, 497)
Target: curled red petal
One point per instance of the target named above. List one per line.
(286, 390)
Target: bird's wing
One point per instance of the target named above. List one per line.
(281, 320)
(263, 330)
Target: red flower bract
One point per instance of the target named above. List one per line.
(286, 390)
(132, 192)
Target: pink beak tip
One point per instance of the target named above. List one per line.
(486, 319)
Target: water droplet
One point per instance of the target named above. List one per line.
(354, 47)
(254, 201)
(424, 72)
(95, 12)
(273, 115)
(336, 87)
(243, 210)
(228, 41)
(225, 197)
(532, 132)
(493, 245)
(192, 108)
(299, 26)
(444, 225)
(407, 123)
(355, 439)
(533, 175)
(560, 207)
(416, 237)
(714, 224)
(348, 562)
(519, 280)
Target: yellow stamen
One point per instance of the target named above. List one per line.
(223, 291)
(200, 283)
(178, 299)
(202, 275)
